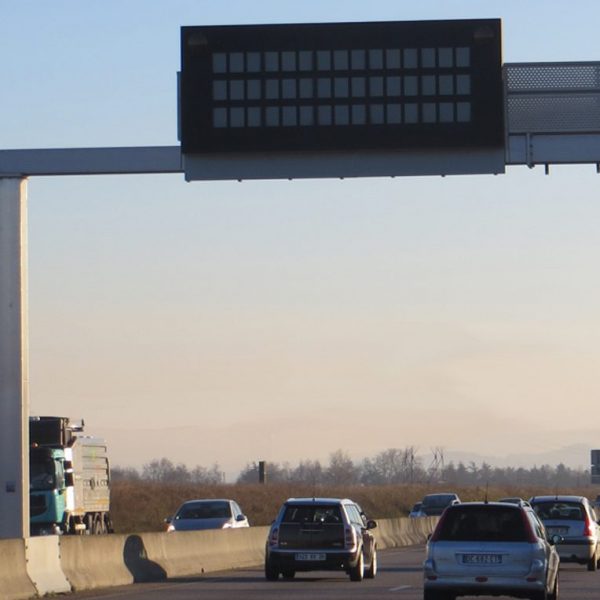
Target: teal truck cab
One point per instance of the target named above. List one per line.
(69, 490)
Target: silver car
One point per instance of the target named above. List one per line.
(490, 548)
(195, 515)
(575, 521)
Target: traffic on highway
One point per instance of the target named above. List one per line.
(543, 548)
(400, 576)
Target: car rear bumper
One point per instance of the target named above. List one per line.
(496, 586)
(334, 561)
(576, 550)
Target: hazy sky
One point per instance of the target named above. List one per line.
(280, 320)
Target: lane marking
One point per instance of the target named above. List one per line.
(400, 588)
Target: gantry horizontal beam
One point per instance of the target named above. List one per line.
(90, 161)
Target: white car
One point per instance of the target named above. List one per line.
(195, 515)
(491, 549)
(574, 520)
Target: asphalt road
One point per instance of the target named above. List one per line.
(399, 577)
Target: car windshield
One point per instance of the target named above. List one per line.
(483, 523)
(204, 510)
(416, 507)
(438, 500)
(563, 511)
(312, 514)
(41, 474)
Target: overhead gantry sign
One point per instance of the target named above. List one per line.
(311, 100)
(342, 100)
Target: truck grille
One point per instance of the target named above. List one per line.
(37, 505)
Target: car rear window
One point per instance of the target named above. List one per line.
(562, 511)
(205, 510)
(483, 523)
(438, 500)
(312, 513)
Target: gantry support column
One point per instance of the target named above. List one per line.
(14, 363)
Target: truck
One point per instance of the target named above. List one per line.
(69, 479)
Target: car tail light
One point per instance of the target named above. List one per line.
(587, 527)
(274, 537)
(438, 529)
(349, 538)
(531, 537)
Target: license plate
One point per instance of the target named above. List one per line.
(310, 556)
(482, 559)
(557, 530)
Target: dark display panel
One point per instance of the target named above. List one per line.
(341, 86)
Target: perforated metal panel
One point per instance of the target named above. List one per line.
(552, 97)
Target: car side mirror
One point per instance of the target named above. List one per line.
(240, 518)
(556, 539)
(371, 524)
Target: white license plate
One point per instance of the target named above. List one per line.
(557, 530)
(482, 559)
(310, 556)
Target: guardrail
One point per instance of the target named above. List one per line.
(53, 564)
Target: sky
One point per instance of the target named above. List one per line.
(282, 320)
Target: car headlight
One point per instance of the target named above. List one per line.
(171, 527)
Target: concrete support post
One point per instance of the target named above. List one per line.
(14, 371)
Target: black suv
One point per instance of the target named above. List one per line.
(321, 534)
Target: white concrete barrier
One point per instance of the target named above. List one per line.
(56, 564)
(43, 565)
(391, 533)
(94, 561)
(15, 584)
(184, 553)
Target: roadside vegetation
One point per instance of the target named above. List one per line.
(386, 486)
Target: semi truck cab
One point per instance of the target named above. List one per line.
(69, 479)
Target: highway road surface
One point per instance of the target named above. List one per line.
(399, 578)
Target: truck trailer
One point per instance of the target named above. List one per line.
(69, 475)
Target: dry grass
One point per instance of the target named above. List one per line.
(139, 506)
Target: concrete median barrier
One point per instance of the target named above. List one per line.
(88, 562)
(185, 553)
(95, 561)
(15, 584)
(391, 533)
(43, 565)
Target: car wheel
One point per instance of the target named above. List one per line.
(271, 572)
(358, 572)
(372, 570)
(288, 573)
(555, 589)
(437, 595)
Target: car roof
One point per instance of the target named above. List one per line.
(558, 498)
(199, 500)
(509, 505)
(318, 500)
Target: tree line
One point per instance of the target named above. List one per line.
(391, 466)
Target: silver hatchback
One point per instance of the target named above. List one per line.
(574, 520)
(490, 548)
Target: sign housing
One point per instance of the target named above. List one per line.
(387, 92)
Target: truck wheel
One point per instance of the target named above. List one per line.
(98, 526)
(89, 524)
(358, 572)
